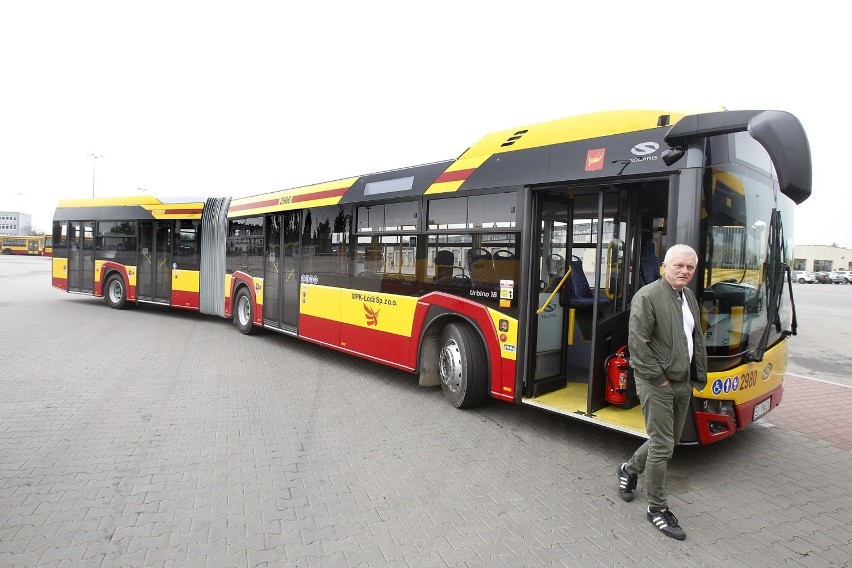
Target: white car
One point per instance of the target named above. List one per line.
(803, 277)
(841, 277)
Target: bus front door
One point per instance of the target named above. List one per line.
(281, 271)
(81, 257)
(579, 315)
(153, 281)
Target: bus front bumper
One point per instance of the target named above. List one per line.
(714, 427)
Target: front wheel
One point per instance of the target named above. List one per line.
(244, 312)
(462, 366)
(116, 292)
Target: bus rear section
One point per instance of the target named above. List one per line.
(129, 250)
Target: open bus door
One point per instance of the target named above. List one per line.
(589, 245)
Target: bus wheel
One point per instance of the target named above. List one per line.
(115, 296)
(243, 309)
(462, 366)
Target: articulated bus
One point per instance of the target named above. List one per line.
(505, 273)
(47, 246)
(33, 245)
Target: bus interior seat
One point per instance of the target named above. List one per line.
(554, 264)
(505, 265)
(444, 260)
(581, 292)
(649, 263)
(480, 266)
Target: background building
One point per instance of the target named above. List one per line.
(15, 223)
(818, 258)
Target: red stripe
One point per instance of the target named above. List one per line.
(457, 175)
(388, 348)
(320, 195)
(182, 211)
(255, 204)
(295, 199)
(184, 299)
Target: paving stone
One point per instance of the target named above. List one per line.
(169, 439)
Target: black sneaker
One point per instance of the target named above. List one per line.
(666, 522)
(626, 483)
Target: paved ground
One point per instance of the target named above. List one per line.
(160, 438)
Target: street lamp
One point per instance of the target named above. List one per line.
(94, 158)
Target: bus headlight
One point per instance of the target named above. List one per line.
(725, 407)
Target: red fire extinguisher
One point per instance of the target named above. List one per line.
(616, 366)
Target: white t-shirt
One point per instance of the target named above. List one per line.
(688, 322)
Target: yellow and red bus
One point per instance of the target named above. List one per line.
(31, 245)
(505, 273)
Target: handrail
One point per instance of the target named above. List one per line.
(555, 290)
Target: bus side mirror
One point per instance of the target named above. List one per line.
(672, 155)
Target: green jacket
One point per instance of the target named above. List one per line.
(657, 343)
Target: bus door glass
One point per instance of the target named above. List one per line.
(281, 270)
(81, 259)
(154, 277)
(612, 260)
(550, 317)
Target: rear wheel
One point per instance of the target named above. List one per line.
(116, 292)
(244, 312)
(462, 366)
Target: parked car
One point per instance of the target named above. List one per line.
(841, 277)
(803, 277)
(822, 277)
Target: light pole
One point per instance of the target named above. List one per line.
(18, 194)
(94, 158)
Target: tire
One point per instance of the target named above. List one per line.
(462, 366)
(801, 280)
(244, 312)
(115, 292)
(7, 251)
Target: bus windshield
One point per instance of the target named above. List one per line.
(739, 198)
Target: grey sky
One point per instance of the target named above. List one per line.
(227, 98)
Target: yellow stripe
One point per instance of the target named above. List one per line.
(389, 313)
(569, 129)
(284, 200)
(110, 201)
(444, 187)
(458, 165)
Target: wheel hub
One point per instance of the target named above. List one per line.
(243, 310)
(451, 366)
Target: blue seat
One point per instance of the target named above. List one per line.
(581, 292)
(649, 263)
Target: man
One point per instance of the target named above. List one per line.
(668, 359)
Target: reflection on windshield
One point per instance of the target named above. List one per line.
(738, 204)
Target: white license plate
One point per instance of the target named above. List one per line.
(761, 409)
